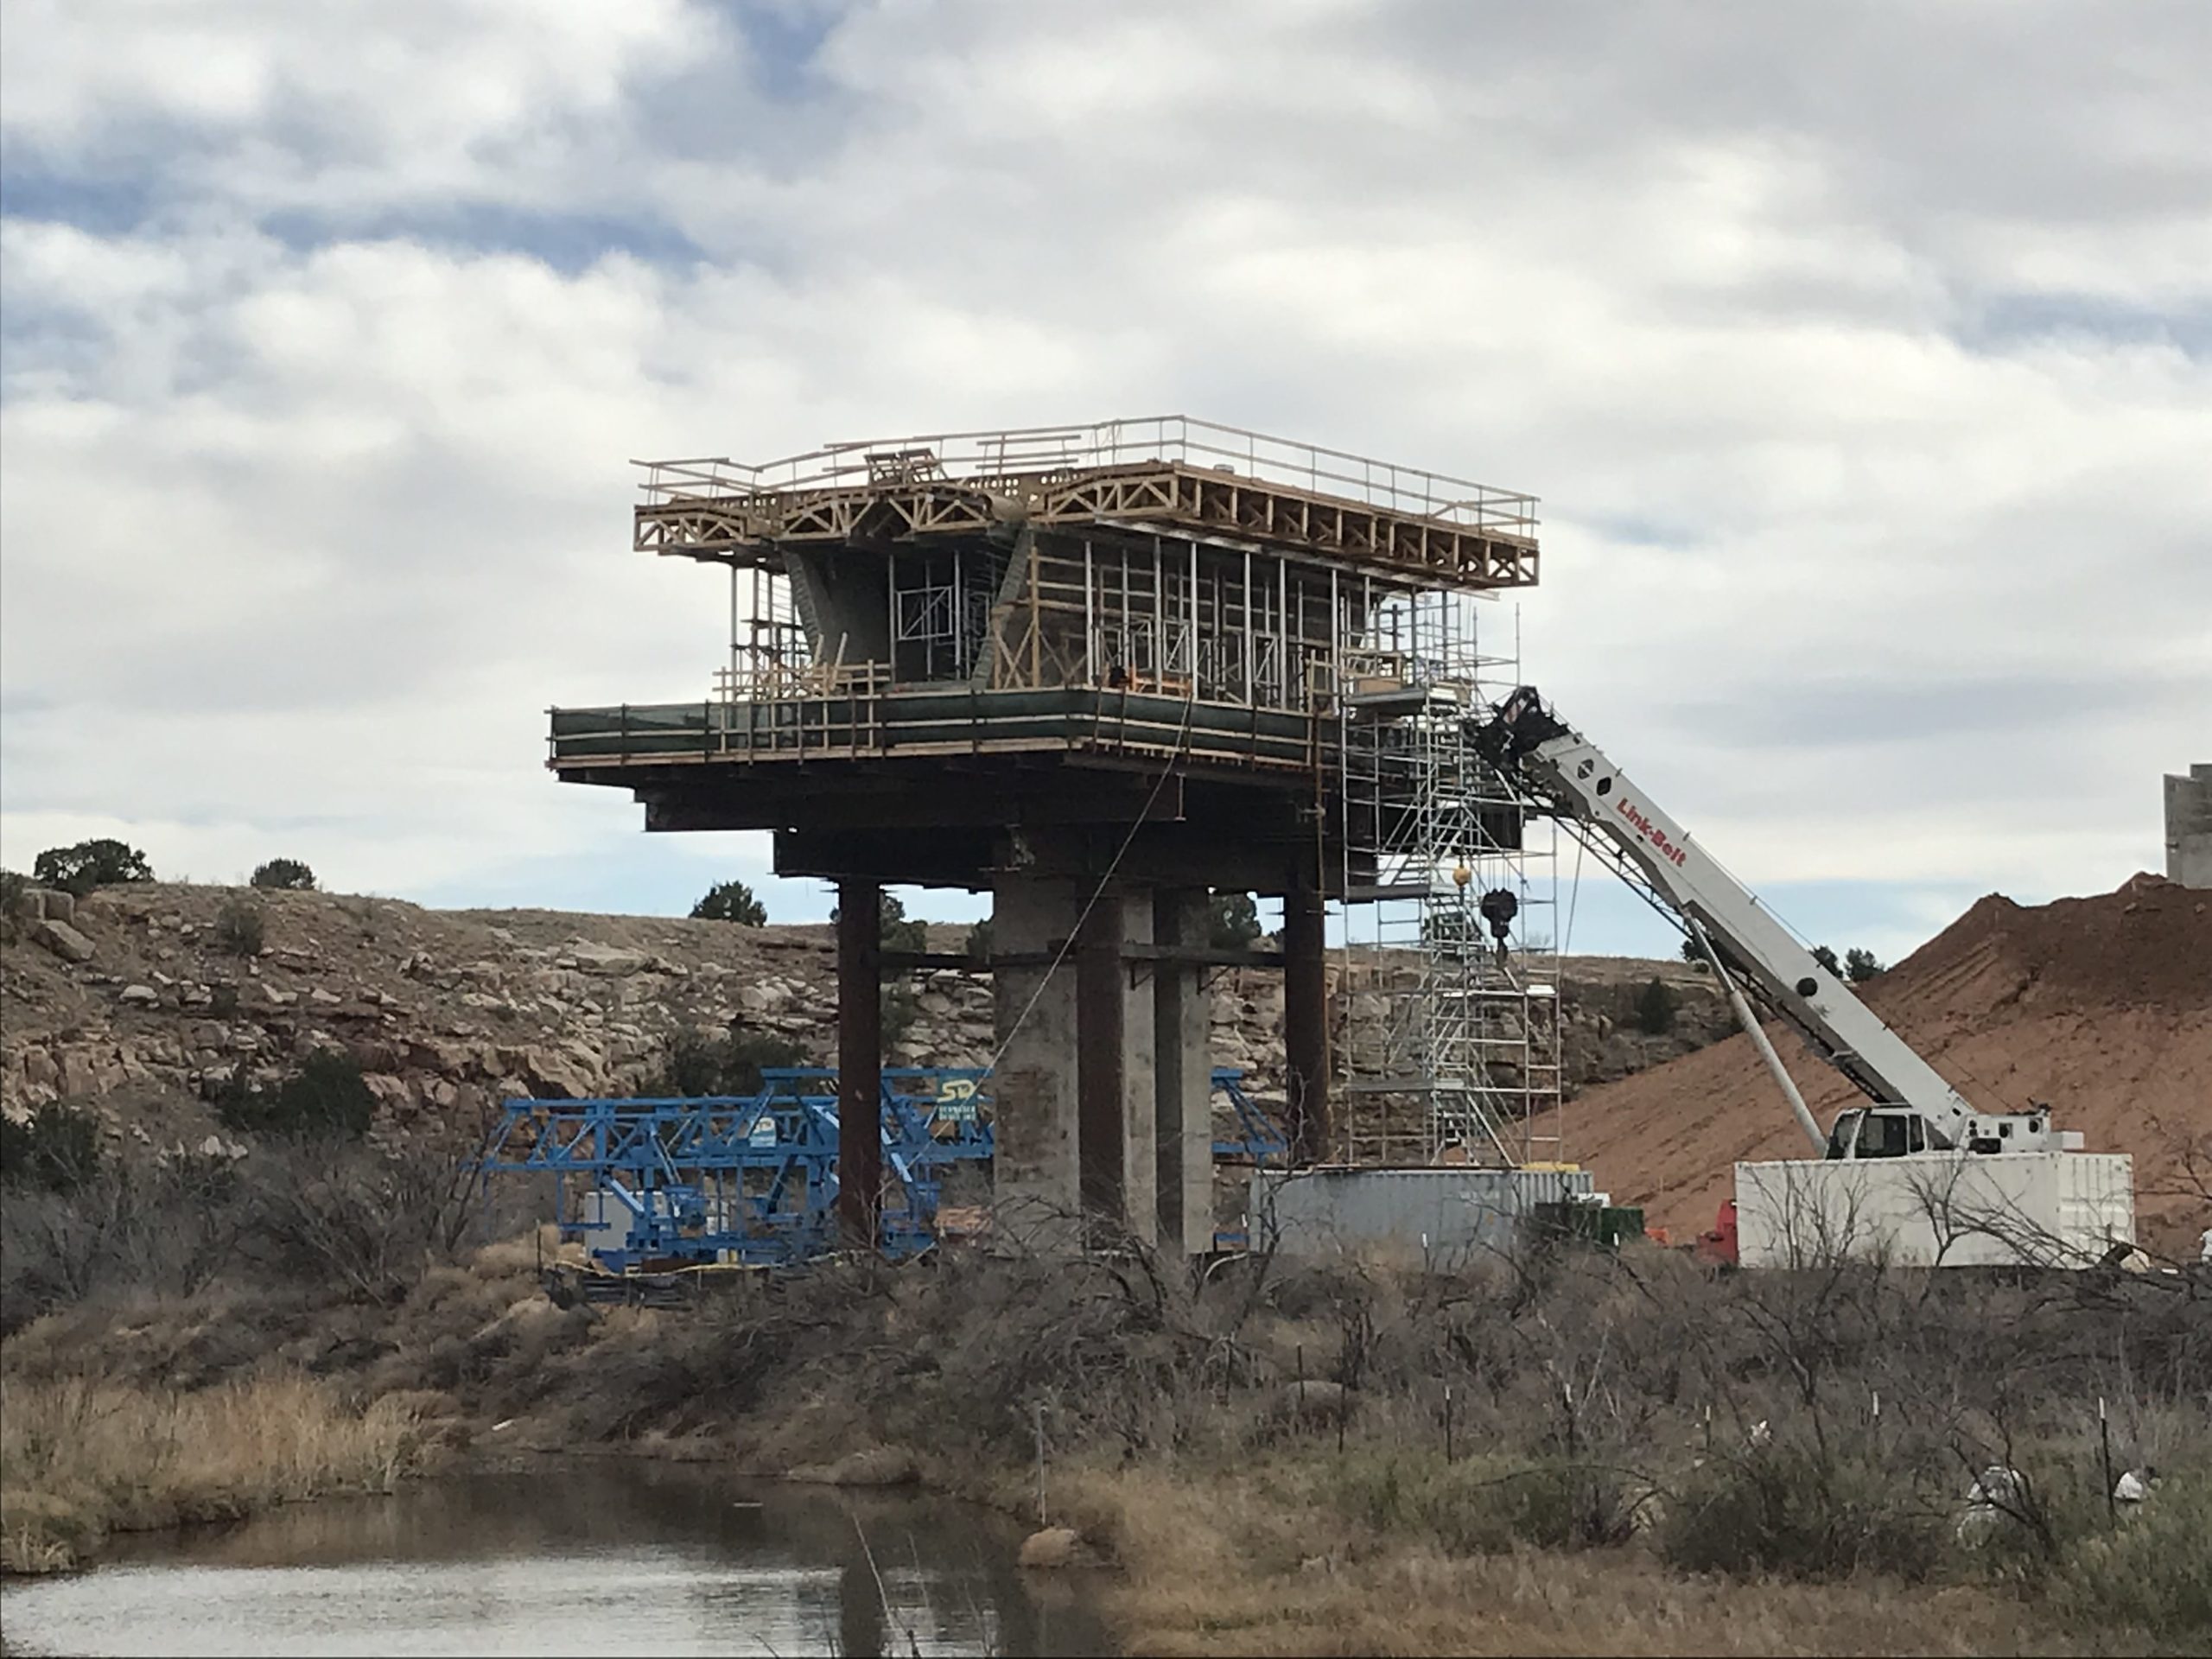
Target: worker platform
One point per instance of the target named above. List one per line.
(1100, 672)
(1159, 474)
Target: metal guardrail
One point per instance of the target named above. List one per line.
(1045, 451)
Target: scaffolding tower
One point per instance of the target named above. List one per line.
(1446, 1017)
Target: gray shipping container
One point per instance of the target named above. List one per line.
(1460, 1211)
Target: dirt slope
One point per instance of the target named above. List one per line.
(2099, 1006)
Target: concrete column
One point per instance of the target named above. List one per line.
(1182, 1079)
(860, 1060)
(1033, 1088)
(1113, 1071)
(1306, 1024)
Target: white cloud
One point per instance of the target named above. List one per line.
(306, 527)
(350, 104)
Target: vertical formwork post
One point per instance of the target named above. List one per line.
(860, 1060)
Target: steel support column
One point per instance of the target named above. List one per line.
(1306, 1022)
(860, 1060)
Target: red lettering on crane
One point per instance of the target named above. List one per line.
(1650, 831)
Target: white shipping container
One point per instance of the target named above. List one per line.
(2058, 1209)
(1444, 1214)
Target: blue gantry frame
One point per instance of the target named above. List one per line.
(752, 1181)
(1259, 1142)
(749, 1181)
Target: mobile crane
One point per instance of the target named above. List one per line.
(1913, 1111)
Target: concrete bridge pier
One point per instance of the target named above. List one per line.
(1101, 1092)
(1182, 1076)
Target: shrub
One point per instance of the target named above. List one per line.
(285, 874)
(731, 901)
(899, 935)
(1825, 954)
(56, 1149)
(13, 884)
(1232, 921)
(367, 1220)
(979, 942)
(2154, 1573)
(326, 1097)
(1656, 1006)
(1860, 966)
(89, 864)
(729, 1065)
(240, 928)
(899, 1011)
(1482, 1506)
(1801, 1513)
(163, 1228)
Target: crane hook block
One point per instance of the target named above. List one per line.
(1498, 908)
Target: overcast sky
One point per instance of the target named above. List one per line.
(1862, 356)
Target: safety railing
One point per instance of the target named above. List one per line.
(951, 719)
(980, 458)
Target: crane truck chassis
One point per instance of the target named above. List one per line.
(1916, 1175)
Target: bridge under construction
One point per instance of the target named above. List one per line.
(1103, 672)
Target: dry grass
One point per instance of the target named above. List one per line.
(1238, 1565)
(1599, 1402)
(81, 1458)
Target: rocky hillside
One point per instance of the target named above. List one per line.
(144, 1000)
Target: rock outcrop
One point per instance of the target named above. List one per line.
(147, 1013)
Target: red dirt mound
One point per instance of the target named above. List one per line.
(2101, 1008)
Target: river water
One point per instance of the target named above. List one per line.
(610, 1558)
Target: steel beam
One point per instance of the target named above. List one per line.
(860, 1060)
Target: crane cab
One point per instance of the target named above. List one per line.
(1902, 1132)
(1881, 1132)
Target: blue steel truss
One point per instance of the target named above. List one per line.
(745, 1181)
(752, 1180)
(1261, 1144)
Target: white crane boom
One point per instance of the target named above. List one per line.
(1565, 769)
